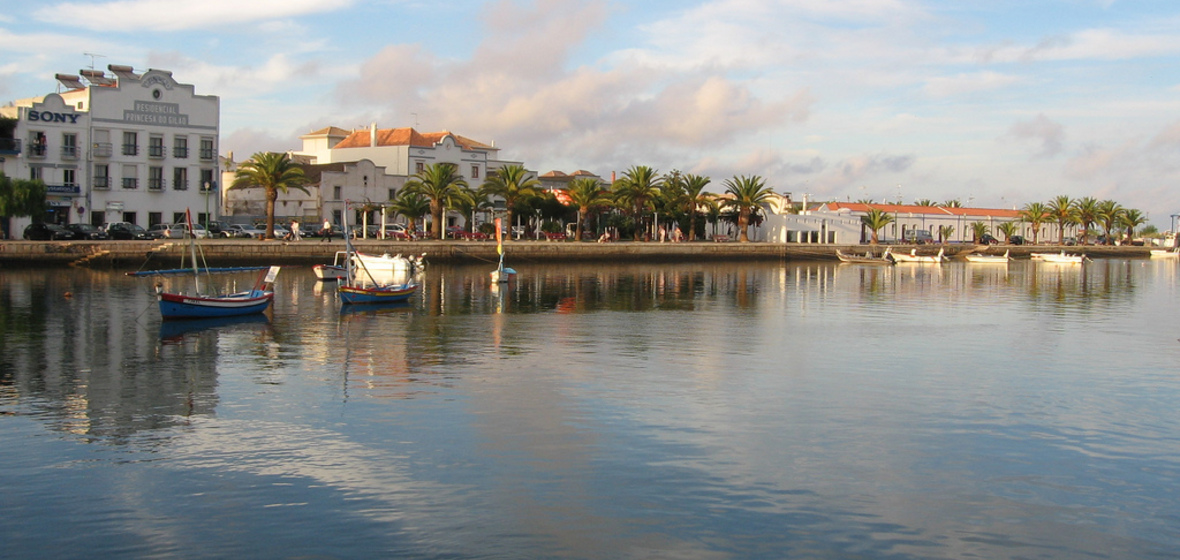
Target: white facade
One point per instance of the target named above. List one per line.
(123, 147)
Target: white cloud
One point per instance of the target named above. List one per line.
(1050, 134)
(960, 84)
(170, 15)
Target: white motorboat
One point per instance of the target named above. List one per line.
(989, 259)
(1165, 253)
(867, 258)
(914, 257)
(1062, 258)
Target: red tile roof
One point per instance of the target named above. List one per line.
(407, 137)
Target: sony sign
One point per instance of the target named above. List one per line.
(48, 116)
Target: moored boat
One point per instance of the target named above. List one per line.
(1165, 253)
(886, 258)
(1061, 258)
(988, 259)
(914, 257)
(334, 271)
(369, 278)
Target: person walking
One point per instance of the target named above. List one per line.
(295, 230)
(326, 232)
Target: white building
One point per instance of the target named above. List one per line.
(118, 147)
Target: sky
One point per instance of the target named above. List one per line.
(996, 103)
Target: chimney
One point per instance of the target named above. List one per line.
(373, 135)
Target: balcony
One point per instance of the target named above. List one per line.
(180, 185)
(102, 183)
(101, 149)
(155, 184)
(38, 150)
(156, 151)
(69, 152)
(9, 146)
(130, 149)
(180, 152)
(69, 188)
(207, 154)
(130, 183)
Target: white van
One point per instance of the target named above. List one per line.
(918, 237)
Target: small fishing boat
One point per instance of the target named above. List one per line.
(362, 286)
(988, 259)
(886, 258)
(334, 271)
(204, 302)
(914, 257)
(502, 273)
(1165, 253)
(1061, 258)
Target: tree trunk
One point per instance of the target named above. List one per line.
(271, 196)
(743, 225)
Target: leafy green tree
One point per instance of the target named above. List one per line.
(1008, 229)
(1062, 210)
(876, 219)
(411, 205)
(1131, 219)
(1109, 215)
(441, 184)
(22, 197)
(978, 230)
(695, 197)
(1087, 212)
(514, 184)
(273, 172)
(587, 193)
(945, 233)
(1036, 215)
(747, 196)
(636, 192)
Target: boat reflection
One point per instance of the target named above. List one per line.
(175, 331)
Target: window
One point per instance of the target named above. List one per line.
(130, 177)
(102, 176)
(35, 172)
(69, 145)
(180, 147)
(68, 177)
(207, 148)
(180, 178)
(129, 217)
(156, 146)
(392, 194)
(419, 167)
(155, 178)
(37, 143)
(178, 218)
(102, 143)
(474, 171)
(335, 193)
(207, 182)
(155, 218)
(131, 143)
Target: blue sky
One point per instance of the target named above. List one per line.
(997, 102)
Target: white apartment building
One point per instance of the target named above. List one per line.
(117, 147)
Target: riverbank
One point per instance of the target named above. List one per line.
(226, 252)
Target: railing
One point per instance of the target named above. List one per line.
(38, 150)
(179, 152)
(102, 182)
(207, 153)
(130, 183)
(155, 184)
(69, 152)
(101, 149)
(155, 151)
(179, 185)
(130, 149)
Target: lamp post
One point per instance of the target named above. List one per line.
(206, 205)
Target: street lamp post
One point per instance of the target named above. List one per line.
(207, 206)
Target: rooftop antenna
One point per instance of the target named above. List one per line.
(92, 57)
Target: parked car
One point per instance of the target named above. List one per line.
(87, 231)
(128, 231)
(1016, 240)
(48, 232)
(200, 232)
(987, 239)
(217, 229)
(918, 237)
(168, 231)
(245, 231)
(1070, 241)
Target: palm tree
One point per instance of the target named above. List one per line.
(925, 202)
(514, 184)
(635, 191)
(875, 220)
(748, 194)
(1109, 215)
(1062, 210)
(945, 233)
(695, 196)
(1087, 213)
(952, 203)
(1008, 229)
(978, 230)
(411, 205)
(1132, 219)
(588, 194)
(439, 182)
(466, 202)
(274, 172)
(1035, 214)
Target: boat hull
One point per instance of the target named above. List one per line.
(181, 306)
(501, 275)
(884, 260)
(329, 272)
(375, 294)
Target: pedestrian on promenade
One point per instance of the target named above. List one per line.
(294, 230)
(326, 232)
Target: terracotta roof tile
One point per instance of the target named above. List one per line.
(406, 137)
(914, 209)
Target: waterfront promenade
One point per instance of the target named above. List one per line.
(219, 252)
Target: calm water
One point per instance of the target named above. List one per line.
(705, 411)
